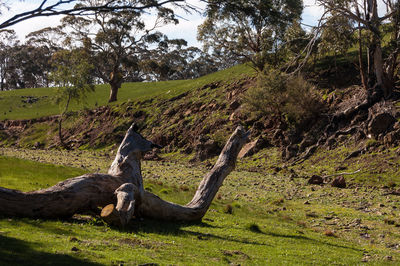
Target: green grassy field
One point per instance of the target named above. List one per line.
(13, 107)
(257, 219)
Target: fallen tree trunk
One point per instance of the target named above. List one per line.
(122, 187)
(75, 195)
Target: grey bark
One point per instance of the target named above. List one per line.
(122, 187)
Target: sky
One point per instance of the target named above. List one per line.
(186, 29)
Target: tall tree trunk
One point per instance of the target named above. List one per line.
(381, 79)
(113, 92)
(369, 66)
(115, 83)
(124, 179)
(360, 54)
(376, 48)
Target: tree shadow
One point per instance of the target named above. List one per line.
(149, 226)
(315, 241)
(38, 223)
(17, 252)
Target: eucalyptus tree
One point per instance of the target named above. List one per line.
(116, 40)
(8, 40)
(337, 37)
(254, 30)
(24, 65)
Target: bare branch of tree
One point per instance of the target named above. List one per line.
(62, 7)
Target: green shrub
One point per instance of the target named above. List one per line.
(303, 103)
(267, 98)
(290, 97)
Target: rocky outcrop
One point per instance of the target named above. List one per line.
(205, 148)
(339, 182)
(380, 124)
(315, 180)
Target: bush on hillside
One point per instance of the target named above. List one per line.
(303, 103)
(267, 98)
(290, 97)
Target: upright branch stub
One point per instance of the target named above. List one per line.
(153, 207)
(129, 154)
(226, 162)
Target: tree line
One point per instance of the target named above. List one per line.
(120, 47)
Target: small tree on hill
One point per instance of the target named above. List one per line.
(284, 96)
(72, 75)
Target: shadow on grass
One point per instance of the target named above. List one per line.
(39, 224)
(17, 252)
(314, 241)
(176, 229)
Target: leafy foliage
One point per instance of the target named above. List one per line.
(253, 30)
(285, 96)
(8, 40)
(171, 61)
(116, 41)
(72, 74)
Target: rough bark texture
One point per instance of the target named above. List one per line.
(79, 194)
(115, 83)
(113, 93)
(122, 185)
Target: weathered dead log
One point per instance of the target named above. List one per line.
(152, 206)
(80, 194)
(123, 184)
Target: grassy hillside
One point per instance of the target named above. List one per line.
(28, 175)
(13, 107)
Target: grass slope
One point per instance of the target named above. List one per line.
(27, 175)
(256, 219)
(13, 107)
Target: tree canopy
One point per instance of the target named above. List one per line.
(253, 30)
(354, 15)
(115, 40)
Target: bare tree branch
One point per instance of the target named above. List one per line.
(62, 7)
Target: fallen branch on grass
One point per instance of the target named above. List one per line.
(123, 188)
